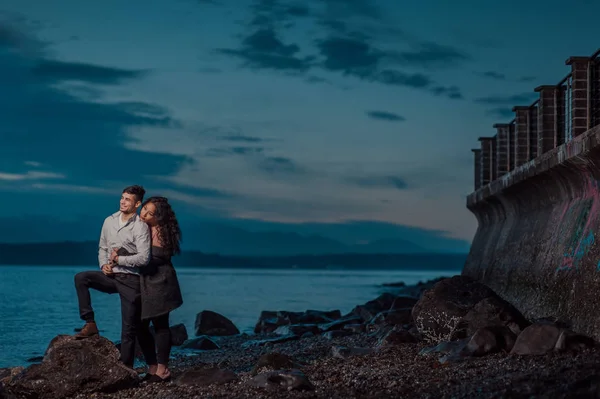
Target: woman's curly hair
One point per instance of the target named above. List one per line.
(169, 232)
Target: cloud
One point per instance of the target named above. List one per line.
(494, 75)
(221, 152)
(358, 58)
(278, 165)
(344, 50)
(84, 139)
(242, 138)
(501, 112)
(379, 181)
(386, 116)
(264, 50)
(58, 70)
(30, 175)
(430, 54)
(452, 92)
(515, 99)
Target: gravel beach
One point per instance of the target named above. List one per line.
(394, 372)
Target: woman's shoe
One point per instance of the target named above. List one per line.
(147, 377)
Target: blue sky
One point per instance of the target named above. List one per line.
(267, 114)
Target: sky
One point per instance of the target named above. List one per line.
(352, 119)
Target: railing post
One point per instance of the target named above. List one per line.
(580, 95)
(532, 128)
(477, 155)
(503, 149)
(549, 135)
(488, 159)
(521, 150)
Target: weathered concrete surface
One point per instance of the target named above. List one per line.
(536, 241)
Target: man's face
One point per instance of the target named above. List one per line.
(128, 203)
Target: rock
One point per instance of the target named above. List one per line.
(206, 376)
(339, 324)
(569, 340)
(392, 317)
(537, 339)
(179, 334)
(402, 302)
(321, 316)
(396, 337)
(214, 324)
(545, 337)
(274, 361)
(488, 340)
(269, 341)
(355, 328)
(493, 311)
(370, 309)
(343, 352)
(286, 379)
(269, 321)
(417, 290)
(74, 366)
(439, 311)
(6, 374)
(200, 343)
(297, 329)
(336, 334)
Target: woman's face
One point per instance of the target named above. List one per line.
(148, 214)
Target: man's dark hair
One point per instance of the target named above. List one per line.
(136, 190)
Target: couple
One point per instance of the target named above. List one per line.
(135, 260)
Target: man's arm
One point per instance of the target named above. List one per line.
(143, 244)
(103, 246)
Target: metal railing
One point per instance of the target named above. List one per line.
(594, 77)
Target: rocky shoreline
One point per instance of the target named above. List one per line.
(448, 338)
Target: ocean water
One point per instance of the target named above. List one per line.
(39, 302)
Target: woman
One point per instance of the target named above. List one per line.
(159, 287)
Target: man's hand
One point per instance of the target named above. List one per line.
(113, 256)
(107, 269)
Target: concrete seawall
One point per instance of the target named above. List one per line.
(538, 240)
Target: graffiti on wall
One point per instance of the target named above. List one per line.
(581, 238)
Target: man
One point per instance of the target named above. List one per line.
(119, 274)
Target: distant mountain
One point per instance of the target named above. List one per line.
(226, 238)
(85, 253)
(229, 240)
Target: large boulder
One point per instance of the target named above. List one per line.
(440, 310)
(493, 311)
(73, 366)
(543, 337)
(213, 324)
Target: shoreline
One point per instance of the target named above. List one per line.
(382, 357)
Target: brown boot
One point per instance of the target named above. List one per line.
(89, 330)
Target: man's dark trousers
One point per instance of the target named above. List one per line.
(128, 288)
